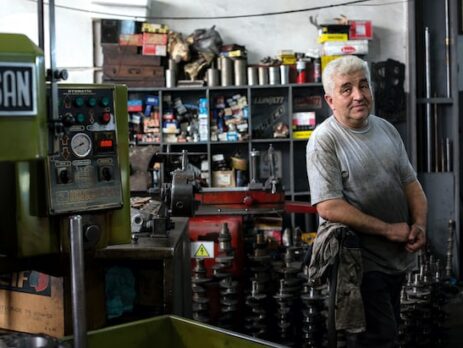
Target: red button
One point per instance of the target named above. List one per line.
(105, 118)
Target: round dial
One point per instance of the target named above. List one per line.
(81, 144)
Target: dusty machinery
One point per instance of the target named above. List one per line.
(64, 173)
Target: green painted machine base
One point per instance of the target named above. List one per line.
(170, 331)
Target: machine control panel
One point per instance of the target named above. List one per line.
(84, 173)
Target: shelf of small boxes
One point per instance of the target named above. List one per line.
(229, 118)
(144, 120)
(184, 123)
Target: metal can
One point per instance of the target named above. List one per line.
(274, 75)
(226, 71)
(284, 74)
(240, 72)
(263, 75)
(170, 78)
(212, 77)
(252, 76)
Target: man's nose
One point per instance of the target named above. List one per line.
(357, 93)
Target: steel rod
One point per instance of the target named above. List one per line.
(448, 154)
(41, 27)
(428, 104)
(436, 139)
(443, 155)
(52, 38)
(79, 324)
(447, 47)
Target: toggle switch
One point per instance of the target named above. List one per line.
(106, 174)
(63, 175)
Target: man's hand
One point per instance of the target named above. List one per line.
(398, 232)
(416, 239)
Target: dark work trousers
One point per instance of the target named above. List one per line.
(381, 299)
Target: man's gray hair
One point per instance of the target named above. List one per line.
(344, 65)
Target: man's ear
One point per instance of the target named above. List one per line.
(329, 100)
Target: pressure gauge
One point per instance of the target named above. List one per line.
(81, 145)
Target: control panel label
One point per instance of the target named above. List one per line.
(17, 89)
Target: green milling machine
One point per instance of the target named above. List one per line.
(64, 174)
(64, 188)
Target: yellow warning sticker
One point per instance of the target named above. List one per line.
(202, 250)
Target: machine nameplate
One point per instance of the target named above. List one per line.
(87, 195)
(78, 163)
(105, 161)
(18, 89)
(62, 163)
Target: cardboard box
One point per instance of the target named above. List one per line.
(327, 59)
(335, 48)
(154, 50)
(332, 37)
(32, 302)
(35, 302)
(223, 178)
(132, 72)
(131, 40)
(154, 28)
(154, 39)
(127, 55)
(360, 30)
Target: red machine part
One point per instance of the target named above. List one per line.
(299, 207)
(207, 228)
(240, 197)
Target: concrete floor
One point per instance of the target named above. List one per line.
(454, 323)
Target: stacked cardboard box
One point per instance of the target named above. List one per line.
(342, 39)
(132, 53)
(123, 64)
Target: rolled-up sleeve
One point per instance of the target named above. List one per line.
(323, 171)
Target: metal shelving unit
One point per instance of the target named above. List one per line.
(434, 115)
(293, 150)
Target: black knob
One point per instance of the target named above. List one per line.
(92, 234)
(106, 173)
(64, 176)
(68, 120)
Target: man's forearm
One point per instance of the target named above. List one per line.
(338, 210)
(417, 204)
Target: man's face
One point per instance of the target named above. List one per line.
(351, 99)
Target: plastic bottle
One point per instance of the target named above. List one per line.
(301, 71)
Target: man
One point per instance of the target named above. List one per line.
(360, 176)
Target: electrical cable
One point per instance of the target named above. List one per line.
(315, 8)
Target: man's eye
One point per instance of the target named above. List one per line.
(346, 90)
(365, 86)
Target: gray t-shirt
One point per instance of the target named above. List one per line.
(369, 168)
